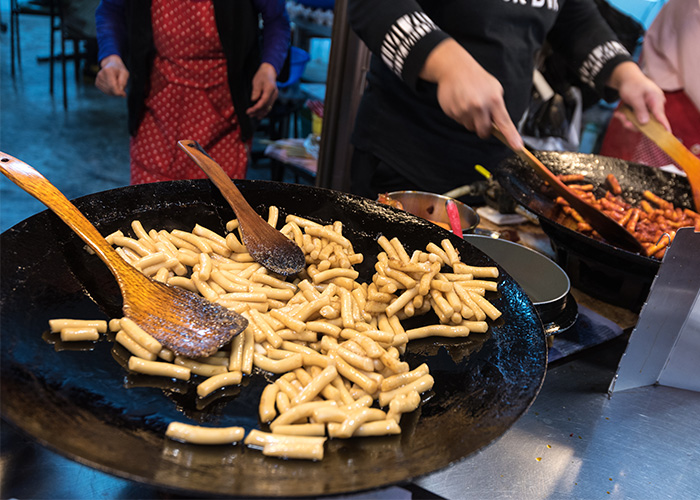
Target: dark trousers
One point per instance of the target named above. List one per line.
(371, 176)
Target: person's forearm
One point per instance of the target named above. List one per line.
(588, 45)
(398, 32)
(623, 72)
(276, 32)
(110, 24)
(441, 60)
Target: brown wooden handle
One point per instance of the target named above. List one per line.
(669, 143)
(562, 189)
(265, 244)
(217, 175)
(674, 148)
(38, 186)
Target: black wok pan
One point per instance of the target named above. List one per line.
(596, 267)
(83, 404)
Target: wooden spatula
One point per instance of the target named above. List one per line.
(265, 244)
(607, 227)
(674, 148)
(180, 320)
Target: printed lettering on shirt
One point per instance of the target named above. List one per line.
(597, 59)
(538, 4)
(402, 37)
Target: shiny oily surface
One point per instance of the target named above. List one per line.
(78, 399)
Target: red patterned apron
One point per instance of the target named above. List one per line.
(189, 98)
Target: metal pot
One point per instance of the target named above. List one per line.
(542, 280)
(431, 206)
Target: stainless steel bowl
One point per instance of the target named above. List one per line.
(431, 206)
(545, 283)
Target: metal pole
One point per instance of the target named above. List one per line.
(347, 65)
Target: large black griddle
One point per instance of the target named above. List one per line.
(82, 403)
(607, 272)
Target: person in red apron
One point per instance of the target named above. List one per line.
(670, 58)
(195, 72)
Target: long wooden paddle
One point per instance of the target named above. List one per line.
(180, 320)
(674, 148)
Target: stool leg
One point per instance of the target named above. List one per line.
(19, 45)
(12, 39)
(52, 47)
(284, 127)
(76, 59)
(63, 68)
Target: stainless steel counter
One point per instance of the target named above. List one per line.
(575, 442)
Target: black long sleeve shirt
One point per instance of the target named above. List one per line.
(400, 120)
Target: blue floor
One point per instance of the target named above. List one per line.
(81, 150)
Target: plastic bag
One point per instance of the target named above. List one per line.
(553, 122)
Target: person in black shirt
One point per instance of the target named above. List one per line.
(444, 71)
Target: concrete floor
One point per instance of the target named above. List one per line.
(81, 150)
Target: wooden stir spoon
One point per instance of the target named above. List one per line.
(607, 227)
(265, 244)
(674, 148)
(180, 320)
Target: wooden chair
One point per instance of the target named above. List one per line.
(54, 10)
(76, 38)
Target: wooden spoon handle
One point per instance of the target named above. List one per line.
(674, 148)
(264, 243)
(38, 186)
(228, 189)
(527, 156)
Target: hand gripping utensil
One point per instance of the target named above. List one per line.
(265, 244)
(180, 320)
(608, 228)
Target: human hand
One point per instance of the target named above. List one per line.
(469, 94)
(264, 91)
(640, 93)
(113, 76)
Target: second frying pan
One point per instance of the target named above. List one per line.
(604, 271)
